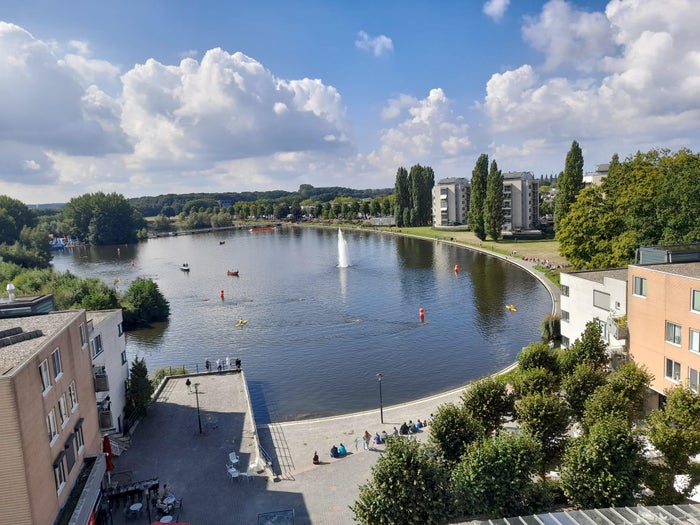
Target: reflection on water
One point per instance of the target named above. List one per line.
(316, 335)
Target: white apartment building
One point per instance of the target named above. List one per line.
(109, 366)
(451, 201)
(521, 201)
(595, 295)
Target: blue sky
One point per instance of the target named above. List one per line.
(169, 96)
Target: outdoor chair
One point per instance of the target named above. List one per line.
(233, 457)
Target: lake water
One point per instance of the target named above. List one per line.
(317, 335)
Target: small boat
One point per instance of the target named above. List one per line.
(511, 308)
(185, 267)
(232, 273)
(222, 242)
(263, 229)
(242, 322)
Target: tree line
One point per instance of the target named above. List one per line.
(576, 416)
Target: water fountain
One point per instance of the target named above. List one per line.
(343, 258)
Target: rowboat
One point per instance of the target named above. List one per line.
(263, 229)
(232, 273)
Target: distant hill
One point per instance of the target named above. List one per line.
(150, 206)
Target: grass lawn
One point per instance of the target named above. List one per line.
(545, 249)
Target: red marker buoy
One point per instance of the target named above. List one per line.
(456, 268)
(421, 313)
(221, 294)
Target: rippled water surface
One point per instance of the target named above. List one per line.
(317, 335)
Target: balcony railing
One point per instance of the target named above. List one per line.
(617, 327)
(101, 383)
(106, 419)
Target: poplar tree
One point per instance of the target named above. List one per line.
(569, 184)
(475, 220)
(403, 196)
(493, 204)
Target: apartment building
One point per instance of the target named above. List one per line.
(599, 295)
(47, 405)
(110, 367)
(663, 312)
(521, 201)
(451, 201)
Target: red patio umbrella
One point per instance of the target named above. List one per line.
(107, 449)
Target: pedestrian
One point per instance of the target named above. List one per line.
(188, 384)
(207, 364)
(218, 365)
(228, 362)
(366, 437)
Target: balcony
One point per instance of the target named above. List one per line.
(617, 327)
(101, 379)
(106, 419)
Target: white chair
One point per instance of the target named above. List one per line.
(233, 473)
(233, 457)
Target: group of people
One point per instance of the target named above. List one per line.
(222, 364)
(379, 438)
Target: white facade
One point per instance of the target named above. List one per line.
(110, 367)
(590, 295)
(451, 201)
(521, 201)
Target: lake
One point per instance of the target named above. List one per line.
(317, 335)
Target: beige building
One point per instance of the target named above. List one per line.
(48, 409)
(663, 315)
(451, 201)
(521, 201)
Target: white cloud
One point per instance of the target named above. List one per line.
(31, 165)
(495, 9)
(568, 36)
(378, 45)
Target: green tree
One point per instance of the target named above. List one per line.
(143, 303)
(589, 348)
(546, 417)
(578, 386)
(605, 402)
(603, 468)
(551, 328)
(538, 355)
(533, 380)
(570, 183)
(488, 402)
(14, 215)
(632, 381)
(493, 204)
(406, 486)
(421, 181)
(402, 192)
(452, 430)
(102, 219)
(139, 390)
(478, 197)
(495, 477)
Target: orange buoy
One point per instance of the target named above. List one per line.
(456, 268)
(221, 294)
(421, 313)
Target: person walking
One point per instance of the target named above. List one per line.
(366, 437)
(188, 384)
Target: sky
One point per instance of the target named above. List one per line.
(173, 96)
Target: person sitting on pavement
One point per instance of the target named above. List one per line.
(419, 425)
(334, 452)
(315, 458)
(411, 427)
(404, 429)
(395, 432)
(342, 451)
(384, 435)
(377, 439)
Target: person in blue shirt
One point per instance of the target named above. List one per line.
(341, 450)
(335, 452)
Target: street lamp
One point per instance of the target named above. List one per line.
(381, 404)
(196, 394)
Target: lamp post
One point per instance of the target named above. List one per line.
(381, 403)
(196, 394)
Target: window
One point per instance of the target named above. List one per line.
(640, 286)
(603, 329)
(79, 436)
(565, 316)
(694, 341)
(73, 394)
(69, 449)
(59, 473)
(121, 329)
(565, 341)
(673, 370)
(51, 425)
(695, 300)
(673, 333)
(63, 409)
(56, 361)
(124, 357)
(96, 346)
(83, 334)
(45, 377)
(601, 299)
(693, 379)
(565, 290)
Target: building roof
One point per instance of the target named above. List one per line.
(97, 316)
(687, 269)
(13, 356)
(453, 180)
(599, 276)
(518, 175)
